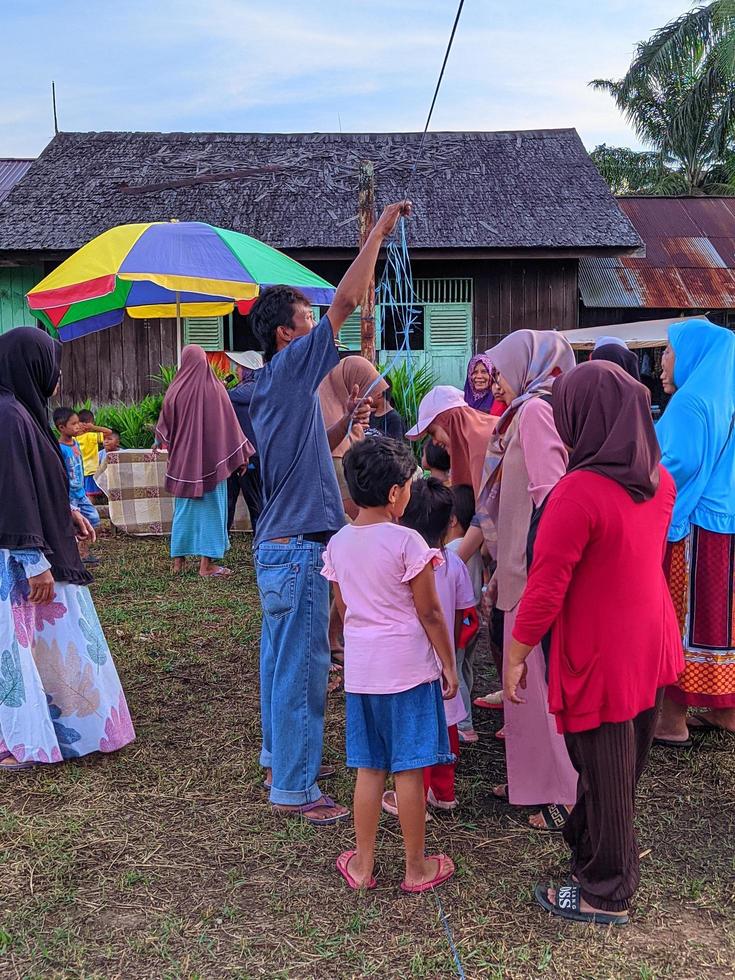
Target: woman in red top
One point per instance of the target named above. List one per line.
(597, 582)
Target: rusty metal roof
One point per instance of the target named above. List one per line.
(10, 173)
(689, 261)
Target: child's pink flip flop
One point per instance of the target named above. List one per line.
(342, 866)
(444, 872)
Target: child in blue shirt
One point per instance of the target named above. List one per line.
(67, 422)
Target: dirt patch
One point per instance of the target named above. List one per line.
(165, 860)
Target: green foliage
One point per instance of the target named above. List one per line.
(679, 97)
(410, 384)
(629, 171)
(168, 372)
(135, 423)
(165, 376)
(704, 37)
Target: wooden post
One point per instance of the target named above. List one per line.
(366, 221)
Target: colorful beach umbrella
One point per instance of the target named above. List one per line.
(164, 269)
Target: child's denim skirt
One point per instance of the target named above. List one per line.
(396, 732)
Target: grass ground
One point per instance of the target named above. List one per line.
(165, 860)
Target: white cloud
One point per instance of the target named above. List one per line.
(305, 64)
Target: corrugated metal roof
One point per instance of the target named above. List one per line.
(689, 261)
(10, 173)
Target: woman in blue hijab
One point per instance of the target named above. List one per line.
(697, 440)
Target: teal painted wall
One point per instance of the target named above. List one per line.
(15, 281)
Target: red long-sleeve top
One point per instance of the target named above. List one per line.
(597, 578)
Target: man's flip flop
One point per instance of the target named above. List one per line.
(673, 743)
(342, 866)
(306, 809)
(567, 906)
(444, 872)
(324, 773)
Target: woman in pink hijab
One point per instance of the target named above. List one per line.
(525, 459)
(205, 443)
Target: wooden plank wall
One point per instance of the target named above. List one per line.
(116, 364)
(517, 294)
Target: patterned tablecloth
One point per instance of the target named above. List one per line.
(134, 481)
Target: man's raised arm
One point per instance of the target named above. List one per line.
(355, 282)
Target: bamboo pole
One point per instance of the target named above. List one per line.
(366, 222)
(178, 329)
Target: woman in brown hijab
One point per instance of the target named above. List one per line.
(352, 374)
(597, 581)
(354, 377)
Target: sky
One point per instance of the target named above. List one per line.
(330, 65)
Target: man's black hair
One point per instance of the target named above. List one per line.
(437, 458)
(62, 415)
(429, 510)
(464, 505)
(114, 432)
(85, 415)
(274, 308)
(373, 466)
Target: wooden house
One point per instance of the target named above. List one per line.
(15, 278)
(501, 222)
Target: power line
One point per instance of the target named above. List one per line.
(436, 93)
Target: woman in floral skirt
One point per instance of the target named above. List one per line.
(60, 696)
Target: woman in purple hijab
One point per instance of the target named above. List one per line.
(478, 390)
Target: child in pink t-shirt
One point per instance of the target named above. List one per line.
(383, 577)
(430, 513)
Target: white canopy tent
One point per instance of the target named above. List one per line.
(642, 333)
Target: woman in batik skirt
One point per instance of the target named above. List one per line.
(60, 696)
(698, 448)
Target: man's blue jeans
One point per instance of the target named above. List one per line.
(294, 665)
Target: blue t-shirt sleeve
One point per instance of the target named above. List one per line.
(310, 358)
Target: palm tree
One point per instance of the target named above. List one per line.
(685, 122)
(708, 31)
(629, 171)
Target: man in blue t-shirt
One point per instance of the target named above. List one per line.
(302, 508)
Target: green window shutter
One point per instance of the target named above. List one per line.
(206, 331)
(349, 335)
(450, 325)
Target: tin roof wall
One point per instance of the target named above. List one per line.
(11, 170)
(689, 261)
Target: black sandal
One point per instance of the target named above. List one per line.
(674, 743)
(555, 818)
(567, 906)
